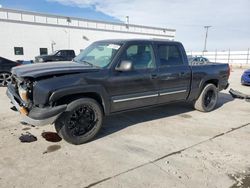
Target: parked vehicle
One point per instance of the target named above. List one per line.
(25, 62)
(197, 59)
(245, 78)
(59, 55)
(5, 70)
(112, 76)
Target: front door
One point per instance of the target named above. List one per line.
(137, 87)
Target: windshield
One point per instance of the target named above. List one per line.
(54, 53)
(99, 54)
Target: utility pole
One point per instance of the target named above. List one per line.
(205, 45)
(68, 19)
(52, 45)
(127, 22)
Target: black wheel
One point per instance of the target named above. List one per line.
(5, 78)
(80, 122)
(207, 99)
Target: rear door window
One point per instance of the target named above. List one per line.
(169, 55)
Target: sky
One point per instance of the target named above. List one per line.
(230, 19)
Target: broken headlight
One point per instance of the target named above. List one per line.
(23, 93)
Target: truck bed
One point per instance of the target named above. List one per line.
(219, 72)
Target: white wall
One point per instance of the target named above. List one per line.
(231, 57)
(34, 30)
(33, 37)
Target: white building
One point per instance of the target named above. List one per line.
(24, 35)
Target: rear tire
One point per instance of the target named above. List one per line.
(207, 99)
(80, 122)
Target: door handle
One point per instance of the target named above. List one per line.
(182, 74)
(154, 76)
(169, 76)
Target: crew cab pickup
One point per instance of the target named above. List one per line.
(112, 76)
(58, 55)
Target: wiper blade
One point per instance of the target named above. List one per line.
(86, 62)
(90, 64)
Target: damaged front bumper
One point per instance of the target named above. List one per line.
(239, 95)
(36, 116)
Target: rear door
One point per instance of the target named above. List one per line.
(138, 87)
(174, 73)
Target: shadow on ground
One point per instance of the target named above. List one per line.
(223, 99)
(118, 122)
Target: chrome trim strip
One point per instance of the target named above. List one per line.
(148, 96)
(173, 92)
(135, 98)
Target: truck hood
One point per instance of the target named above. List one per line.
(50, 69)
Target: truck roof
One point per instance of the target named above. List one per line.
(65, 50)
(137, 40)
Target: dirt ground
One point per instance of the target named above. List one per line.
(167, 146)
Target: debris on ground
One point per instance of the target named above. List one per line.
(51, 136)
(24, 123)
(239, 95)
(27, 138)
(26, 128)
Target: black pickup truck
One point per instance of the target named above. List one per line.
(58, 55)
(108, 77)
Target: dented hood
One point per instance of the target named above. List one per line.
(50, 69)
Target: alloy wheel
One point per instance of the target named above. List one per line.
(210, 98)
(5, 79)
(82, 120)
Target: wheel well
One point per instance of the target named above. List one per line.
(69, 98)
(212, 81)
(5, 72)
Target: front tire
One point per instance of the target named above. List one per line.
(80, 122)
(207, 99)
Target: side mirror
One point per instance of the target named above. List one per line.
(124, 66)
